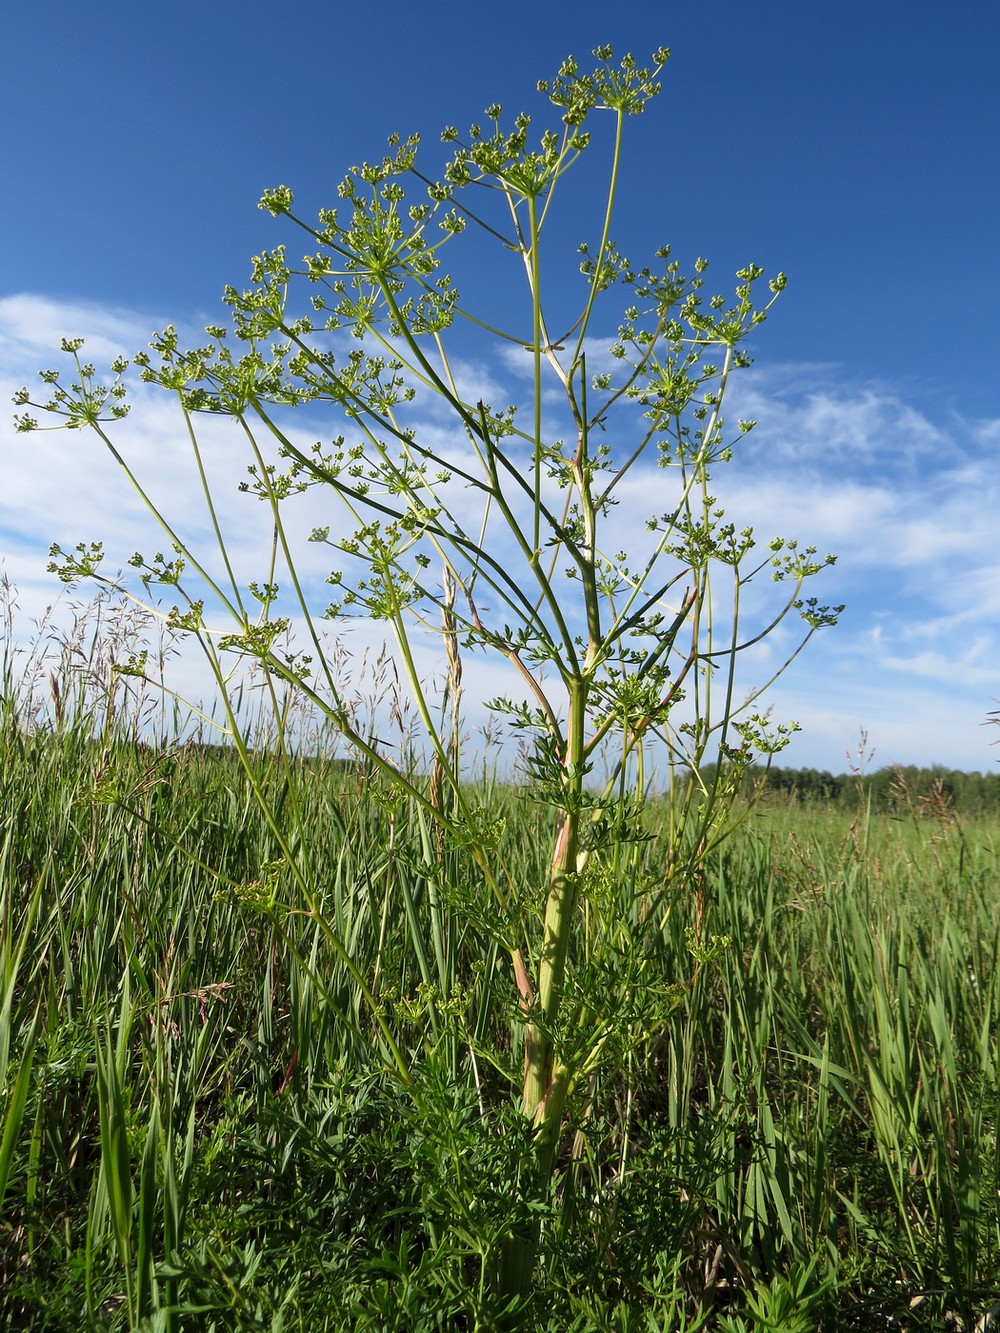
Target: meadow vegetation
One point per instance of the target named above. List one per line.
(200, 1130)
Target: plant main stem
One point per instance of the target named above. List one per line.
(547, 1078)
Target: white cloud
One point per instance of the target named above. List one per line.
(34, 325)
(909, 504)
(820, 423)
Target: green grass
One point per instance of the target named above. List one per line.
(204, 1125)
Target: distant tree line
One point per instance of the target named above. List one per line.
(898, 789)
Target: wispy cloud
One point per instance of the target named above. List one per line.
(34, 325)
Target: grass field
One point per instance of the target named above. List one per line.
(259, 1076)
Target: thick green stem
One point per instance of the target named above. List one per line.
(559, 912)
(547, 1078)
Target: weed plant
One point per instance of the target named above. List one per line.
(613, 651)
(290, 1043)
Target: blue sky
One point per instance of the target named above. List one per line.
(852, 145)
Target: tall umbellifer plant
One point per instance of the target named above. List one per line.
(504, 537)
